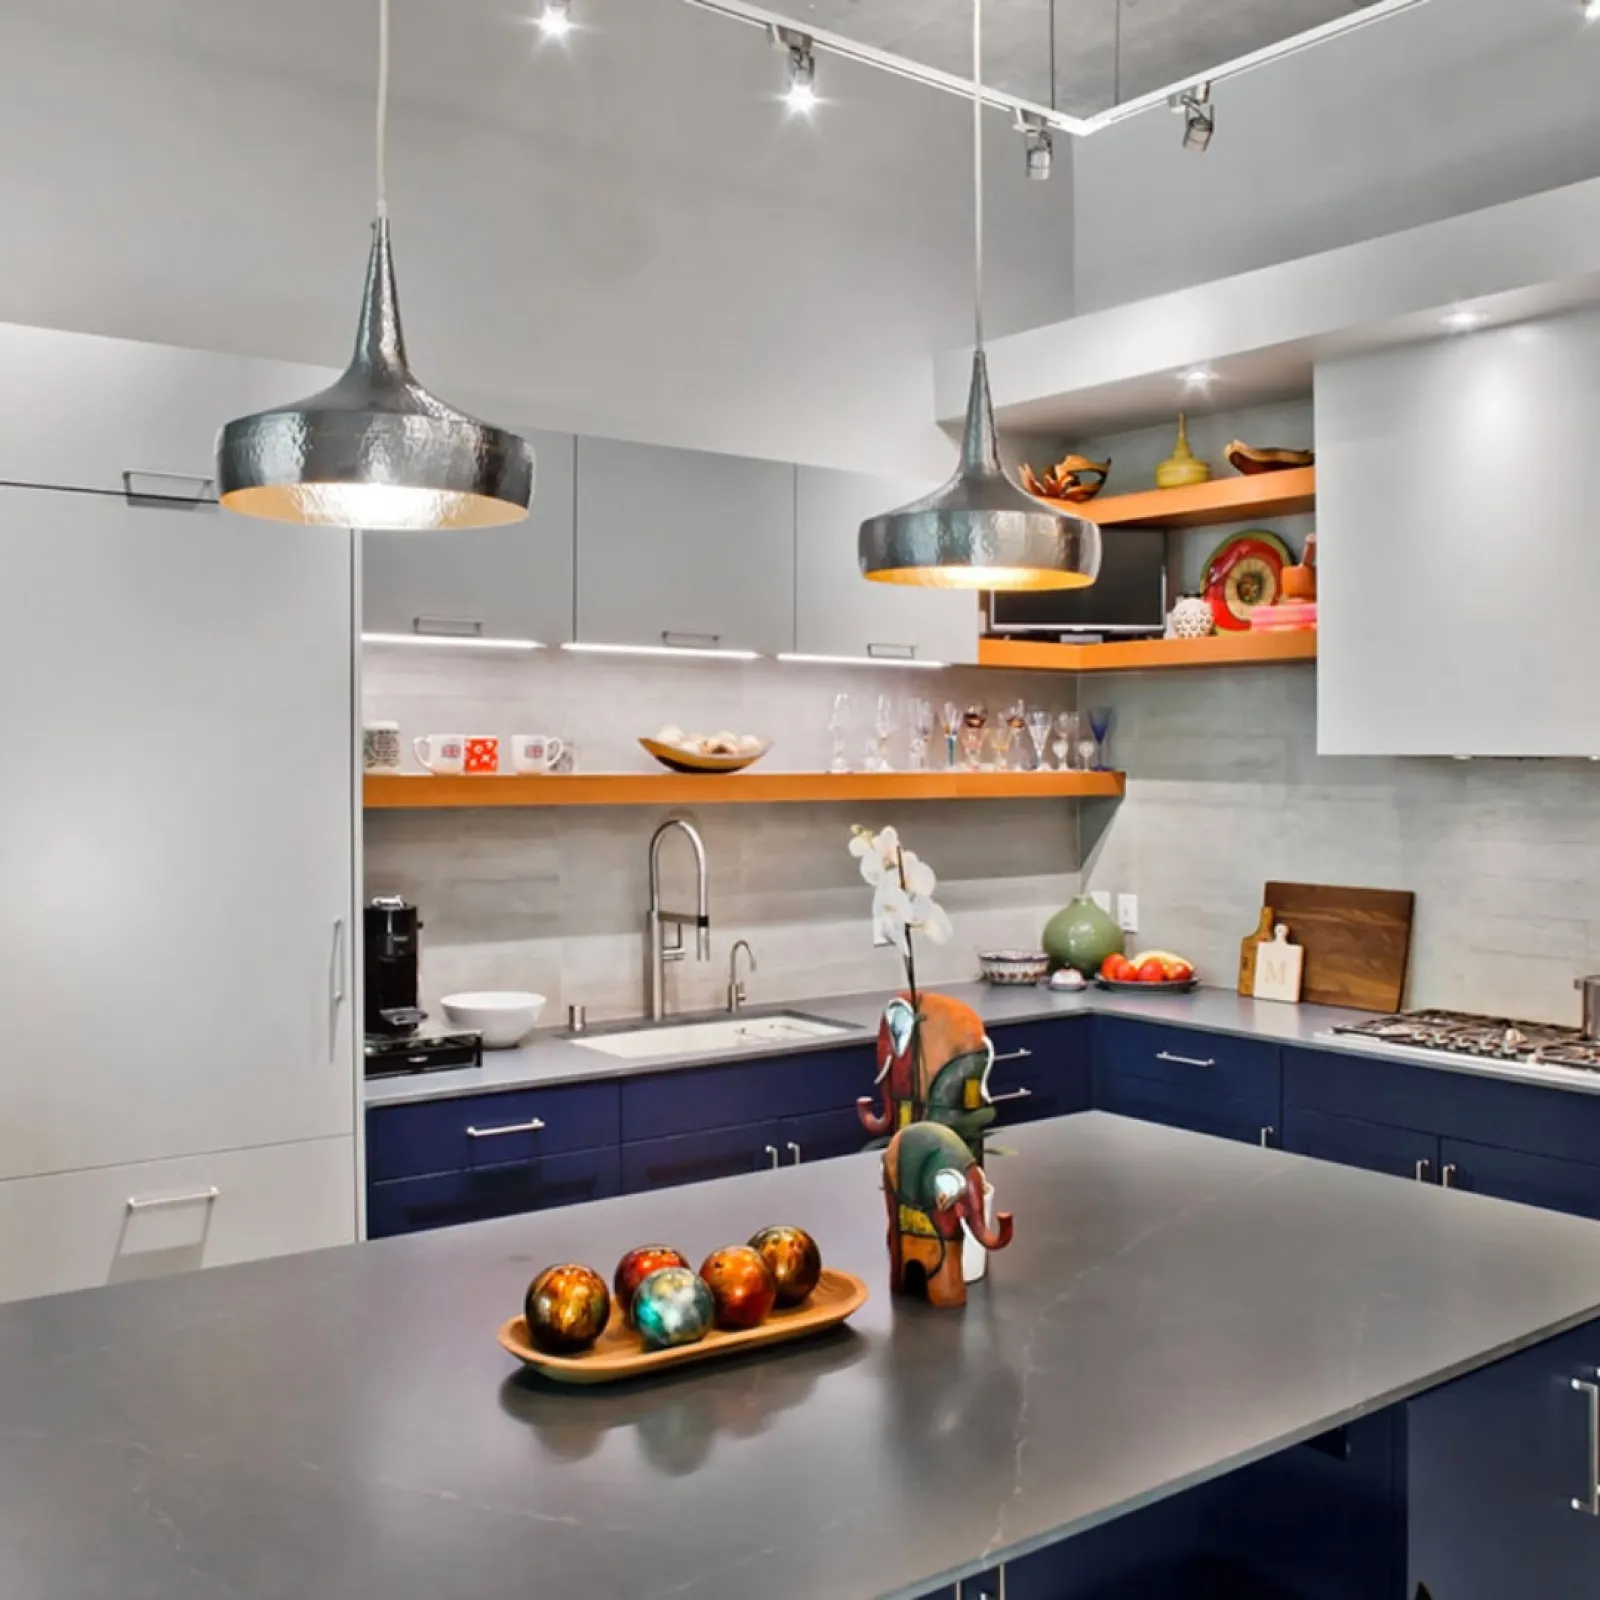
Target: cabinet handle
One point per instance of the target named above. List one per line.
(533, 1125)
(205, 488)
(1184, 1061)
(794, 1150)
(1447, 1175)
(1267, 1137)
(1423, 1170)
(336, 978)
(772, 1154)
(447, 627)
(1016, 1094)
(1013, 1055)
(691, 641)
(892, 652)
(1590, 1504)
(159, 1202)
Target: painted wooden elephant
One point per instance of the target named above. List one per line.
(932, 1184)
(933, 1065)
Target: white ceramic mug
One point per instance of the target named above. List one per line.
(535, 752)
(441, 752)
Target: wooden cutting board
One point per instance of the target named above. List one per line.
(1357, 941)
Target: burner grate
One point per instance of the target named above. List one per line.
(1485, 1038)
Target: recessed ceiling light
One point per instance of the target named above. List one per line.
(556, 19)
(1462, 320)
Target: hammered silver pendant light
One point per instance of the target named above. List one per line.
(980, 531)
(375, 450)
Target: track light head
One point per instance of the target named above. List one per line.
(1041, 145)
(555, 20)
(1199, 116)
(801, 94)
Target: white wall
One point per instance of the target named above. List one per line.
(1457, 105)
(623, 236)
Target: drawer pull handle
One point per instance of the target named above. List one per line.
(1424, 1171)
(772, 1155)
(164, 486)
(794, 1151)
(447, 627)
(1016, 1094)
(159, 1202)
(1266, 1137)
(1185, 1061)
(892, 652)
(683, 640)
(1447, 1175)
(1590, 1504)
(1013, 1055)
(533, 1125)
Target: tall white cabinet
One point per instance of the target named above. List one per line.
(177, 1082)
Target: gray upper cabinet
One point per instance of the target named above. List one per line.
(682, 547)
(839, 613)
(509, 582)
(1456, 489)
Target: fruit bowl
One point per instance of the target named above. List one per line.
(504, 1017)
(1138, 986)
(689, 753)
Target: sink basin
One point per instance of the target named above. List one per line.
(703, 1038)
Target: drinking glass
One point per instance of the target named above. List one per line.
(1100, 720)
(884, 726)
(1039, 722)
(920, 721)
(1004, 736)
(974, 725)
(950, 721)
(839, 728)
(1066, 738)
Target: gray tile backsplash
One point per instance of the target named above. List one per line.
(554, 900)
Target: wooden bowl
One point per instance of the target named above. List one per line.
(670, 756)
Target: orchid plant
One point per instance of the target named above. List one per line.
(902, 895)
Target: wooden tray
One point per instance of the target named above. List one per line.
(618, 1354)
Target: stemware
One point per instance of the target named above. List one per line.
(950, 722)
(1066, 738)
(920, 721)
(839, 729)
(974, 726)
(1004, 736)
(1039, 721)
(884, 726)
(1100, 720)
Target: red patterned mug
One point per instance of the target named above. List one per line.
(483, 753)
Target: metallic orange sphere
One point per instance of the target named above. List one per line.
(792, 1256)
(567, 1308)
(741, 1284)
(636, 1266)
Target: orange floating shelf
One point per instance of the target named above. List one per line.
(1150, 655)
(1237, 499)
(409, 792)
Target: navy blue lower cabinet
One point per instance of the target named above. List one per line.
(443, 1199)
(1041, 1069)
(1494, 1463)
(698, 1157)
(1352, 1143)
(1515, 1175)
(822, 1136)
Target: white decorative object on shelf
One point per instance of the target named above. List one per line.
(1191, 618)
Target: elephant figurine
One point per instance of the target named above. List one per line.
(934, 1059)
(932, 1184)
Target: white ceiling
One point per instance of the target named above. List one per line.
(1107, 51)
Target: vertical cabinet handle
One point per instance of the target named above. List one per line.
(794, 1152)
(1424, 1171)
(1267, 1136)
(336, 978)
(772, 1154)
(1589, 1505)
(1447, 1175)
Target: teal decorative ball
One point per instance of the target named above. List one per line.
(1082, 936)
(673, 1306)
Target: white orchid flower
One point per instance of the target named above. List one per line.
(902, 891)
(879, 853)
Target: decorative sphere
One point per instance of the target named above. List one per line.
(636, 1266)
(672, 1306)
(567, 1308)
(792, 1257)
(741, 1284)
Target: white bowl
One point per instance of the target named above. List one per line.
(503, 1016)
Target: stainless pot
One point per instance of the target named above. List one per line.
(1589, 988)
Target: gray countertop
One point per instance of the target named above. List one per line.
(343, 1424)
(550, 1058)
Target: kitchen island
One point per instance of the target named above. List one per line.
(1174, 1308)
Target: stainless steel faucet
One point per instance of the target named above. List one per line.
(660, 952)
(736, 994)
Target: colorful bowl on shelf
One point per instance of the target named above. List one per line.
(1013, 968)
(708, 755)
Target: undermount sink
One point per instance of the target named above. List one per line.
(725, 1033)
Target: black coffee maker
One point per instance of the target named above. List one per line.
(391, 926)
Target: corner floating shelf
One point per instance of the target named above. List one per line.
(1149, 655)
(408, 792)
(1238, 499)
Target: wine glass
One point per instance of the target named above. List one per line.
(950, 721)
(1003, 737)
(1039, 722)
(1066, 737)
(839, 728)
(920, 721)
(884, 726)
(1100, 720)
(974, 723)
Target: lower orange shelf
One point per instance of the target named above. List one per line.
(409, 792)
(1147, 655)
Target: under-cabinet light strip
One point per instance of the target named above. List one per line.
(450, 641)
(860, 661)
(662, 650)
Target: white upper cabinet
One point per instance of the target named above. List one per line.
(837, 611)
(176, 935)
(1459, 565)
(685, 548)
(510, 582)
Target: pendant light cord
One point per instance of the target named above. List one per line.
(383, 107)
(978, 172)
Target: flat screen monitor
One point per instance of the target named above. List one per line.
(1129, 596)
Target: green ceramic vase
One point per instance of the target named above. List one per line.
(1081, 935)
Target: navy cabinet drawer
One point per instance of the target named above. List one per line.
(1217, 1063)
(1354, 1143)
(1193, 1106)
(1515, 1175)
(822, 1136)
(699, 1157)
(410, 1205)
(439, 1136)
(1045, 1065)
(692, 1099)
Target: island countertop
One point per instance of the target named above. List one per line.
(343, 1424)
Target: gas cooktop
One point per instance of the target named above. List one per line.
(1460, 1033)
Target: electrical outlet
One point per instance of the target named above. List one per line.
(1128, 912)
(1102, 898)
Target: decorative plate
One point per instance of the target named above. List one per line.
(1182, 986)
(1245, 573)
(619, 1352)
(669, 755)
